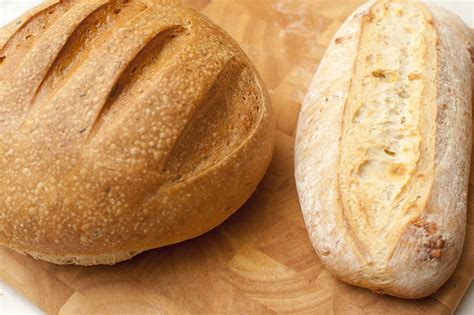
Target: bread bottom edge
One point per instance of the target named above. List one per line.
(392, 290)
(114, 257)
(81, 260)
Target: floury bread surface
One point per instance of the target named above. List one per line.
(125, 125)
(383, 148)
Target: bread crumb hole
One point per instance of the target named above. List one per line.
(414, 76)
(51, 12)
(28, 37)
(117, 11)
(389, 152)
(2, 59)
(368, 169)
(378, 74)
(397, 170)
(402, 94)
(370, 59)
(385, 75)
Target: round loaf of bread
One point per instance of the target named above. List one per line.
(124, 126)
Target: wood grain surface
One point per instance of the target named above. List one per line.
(260, 260)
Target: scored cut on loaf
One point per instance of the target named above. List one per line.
(383, 148)
(125, 125)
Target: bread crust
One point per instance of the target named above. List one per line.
(429, 244)
(124, 126)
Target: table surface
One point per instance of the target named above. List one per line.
(13, 303)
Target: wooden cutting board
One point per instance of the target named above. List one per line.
(260, 260)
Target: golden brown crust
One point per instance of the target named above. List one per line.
(125, 126)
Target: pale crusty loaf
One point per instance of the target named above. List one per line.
(124, 126)
(383, 148)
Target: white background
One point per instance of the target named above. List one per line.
(12, 303)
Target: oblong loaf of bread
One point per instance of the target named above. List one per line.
(125, 125)
(383, 148)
